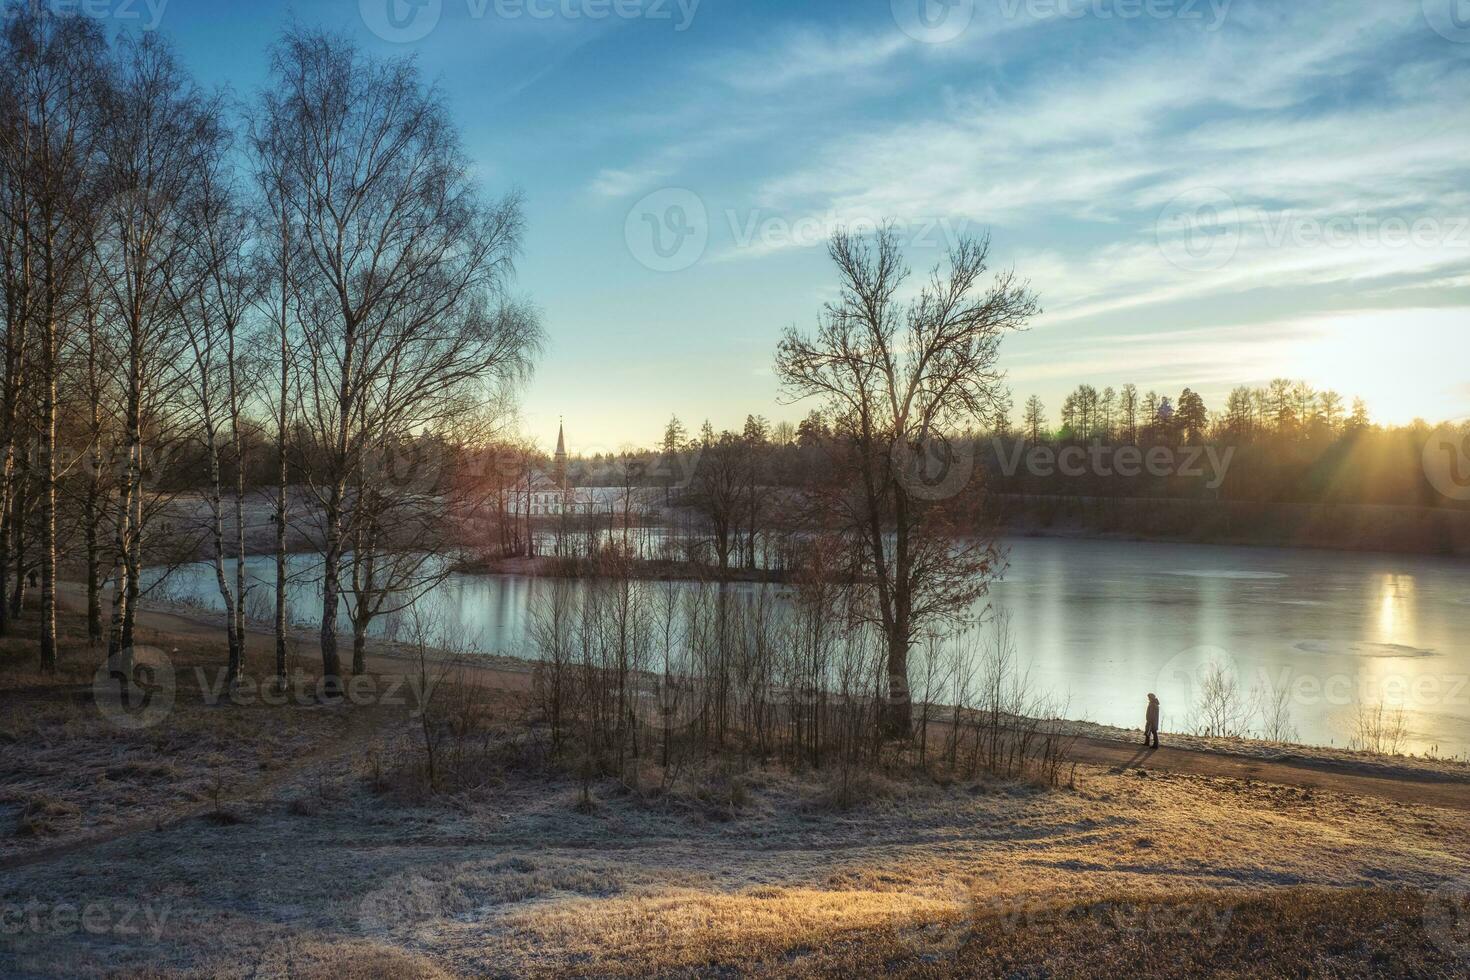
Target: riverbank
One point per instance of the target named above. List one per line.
(656, 570)
(253, 838)
(1101, 624)
(1288, 763)
(1372, 528)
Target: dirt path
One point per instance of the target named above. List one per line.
(1428, 789)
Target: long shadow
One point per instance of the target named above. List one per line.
(1140, 756)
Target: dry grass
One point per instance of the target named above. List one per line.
(71, 773)
(313, 959)
(332, 861)
(1288, 933)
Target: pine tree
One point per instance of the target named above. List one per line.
(1035, 418)
(674, 435)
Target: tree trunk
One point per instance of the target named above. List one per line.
(48, 496)
(898, 723)
(119, 654)
(18, 521)
(6, 523)
(135, 560)
(331, 591)
(359, 646)
(341, 466)
(236, 447)
(235, 668)
(92, 517)
(93, 506)
(280, 624)
(7, 474)
(364, 585)
(130, 527)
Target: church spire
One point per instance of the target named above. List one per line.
(559, 461)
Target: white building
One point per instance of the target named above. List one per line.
(547, 495)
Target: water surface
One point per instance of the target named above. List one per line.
(1101, 623)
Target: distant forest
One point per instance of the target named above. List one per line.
(1288, 443)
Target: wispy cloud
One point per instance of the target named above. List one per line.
(804, 54)
(621, 183)
(1110, 141)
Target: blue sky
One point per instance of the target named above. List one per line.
(1201, 193)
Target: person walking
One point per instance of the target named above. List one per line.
(1151, 722)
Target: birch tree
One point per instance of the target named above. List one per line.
(51, 122)
(154, 157)
(403, 316)
(223, 288)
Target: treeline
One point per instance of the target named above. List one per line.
(1283, 443)
(293, 295)
(1284, 409)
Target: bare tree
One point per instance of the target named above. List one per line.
(222, 293)
(1221, 708)
(1275, 707)
(1379, 729)
(401, 286)
(97, 366)
(276, 252)
(896, 377)
(52, 79)
(153, 158)
(16, 263)
(757, 445)
(718, 492)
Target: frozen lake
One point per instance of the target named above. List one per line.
(1102, 623)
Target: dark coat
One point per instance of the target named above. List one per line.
(1152, 720)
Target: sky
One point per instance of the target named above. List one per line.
(1202, 193)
